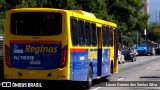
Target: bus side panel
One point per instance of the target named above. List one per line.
(94, 63)
(6, 69)
(71, 66)
(80, 59)
(94, 57)
(79, 64)
(105, 62)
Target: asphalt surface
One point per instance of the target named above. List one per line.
(144, 74)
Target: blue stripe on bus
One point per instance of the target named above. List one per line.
(80, 63)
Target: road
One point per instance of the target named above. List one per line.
(146, 68)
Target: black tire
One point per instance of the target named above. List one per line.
(132, 59)
(119, 62)
(135, 58)
(123, 62)
(89, 78)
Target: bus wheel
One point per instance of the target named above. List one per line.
(89, 78)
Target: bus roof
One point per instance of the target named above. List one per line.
(80, 12)
(84, 13)
(91, 15)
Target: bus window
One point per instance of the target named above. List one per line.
(93, 30)
(111, 36)
(74, 31)
(82, 32)
(88, 33)
(104, 33)
(107, 34)
(36, 23)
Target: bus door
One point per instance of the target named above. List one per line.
(99, 53)
(115, 66)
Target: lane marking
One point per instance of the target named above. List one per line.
(120, 78)
(157, 63)
(148, 67)
(125, 63)
(97, 88)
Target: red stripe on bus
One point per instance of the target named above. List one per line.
(34, 42)
(77, 50)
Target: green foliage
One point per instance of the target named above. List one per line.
(2, 2)
(1, 23)
(127, 14)
(63, 4)
(98, 7)
(100, 11)
(31, 3)
(26, 3)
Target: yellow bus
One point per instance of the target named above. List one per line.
(57, 44)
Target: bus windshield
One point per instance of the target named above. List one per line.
(36, 23)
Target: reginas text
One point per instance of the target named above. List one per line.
(41, 49)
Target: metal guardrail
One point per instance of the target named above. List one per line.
(1, 46)
(1, 57)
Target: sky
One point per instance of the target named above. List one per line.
(154, 10)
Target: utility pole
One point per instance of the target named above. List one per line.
(156, 18)
(146, 8)
(137, 37)
(146, 2)
(159, 16)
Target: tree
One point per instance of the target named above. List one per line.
(63, 4)
(2, 14)
(1, 23)
(97, 7)
(128, 15)
(31, 3)
(2, 6)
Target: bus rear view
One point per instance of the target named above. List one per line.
(35, 45)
